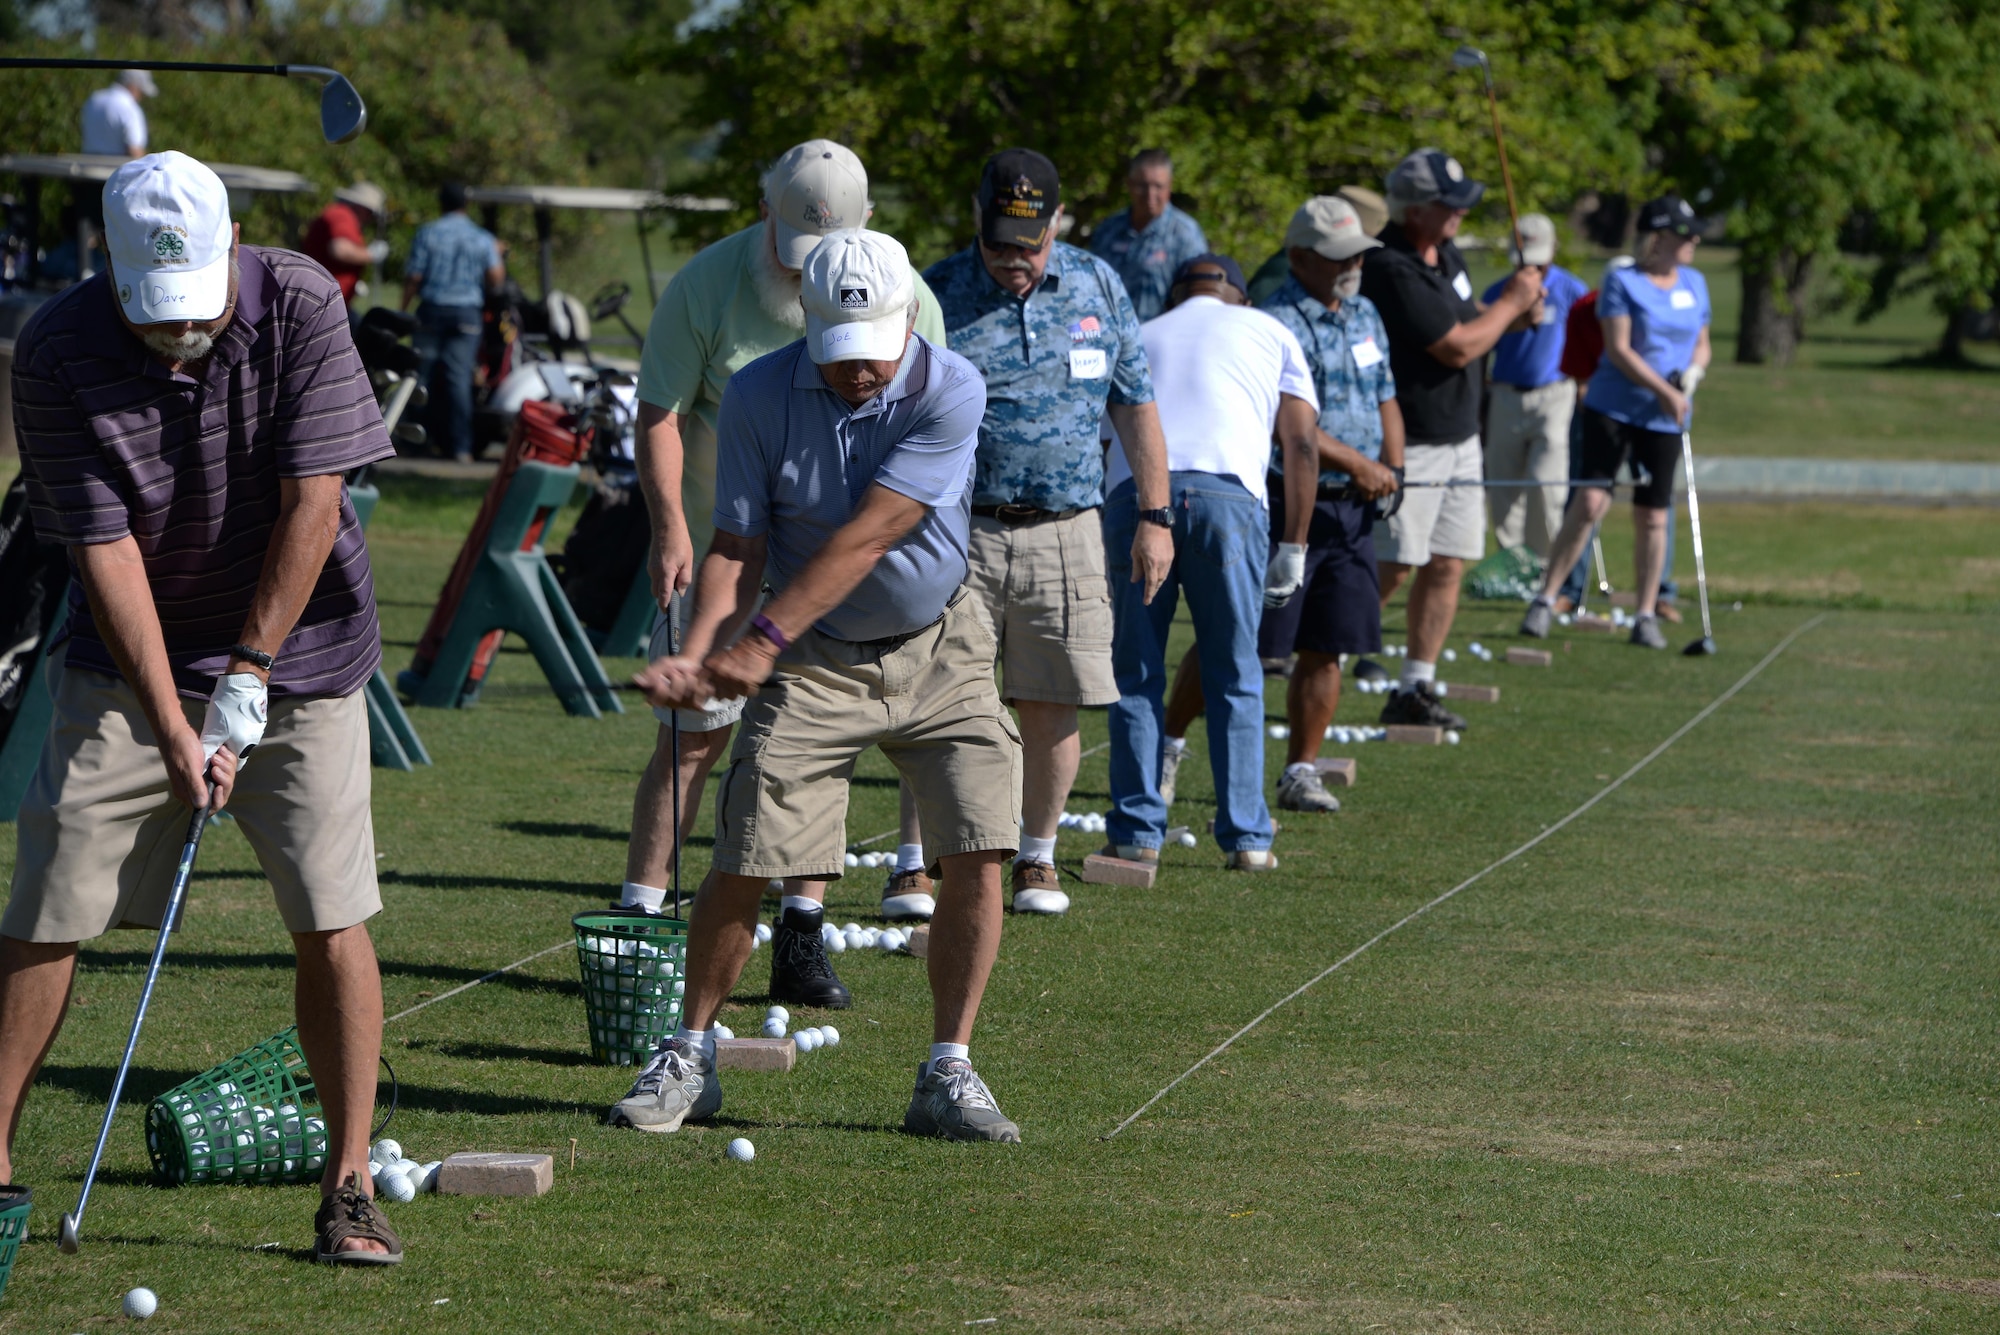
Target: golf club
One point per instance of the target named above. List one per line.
(1706, 644)
(1604, 482)
(673, 650)
(1603, 572)
(342, 115)
(72, 1223)
(1471, 57)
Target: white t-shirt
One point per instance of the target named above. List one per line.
(1217, 373)
(113, 123)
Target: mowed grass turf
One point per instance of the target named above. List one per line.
(1718, 1054)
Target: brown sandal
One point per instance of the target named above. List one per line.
(350, 1213)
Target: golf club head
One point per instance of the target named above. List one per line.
(342, 115)
(68, 1244)
(1701, 648)
(1468, 58)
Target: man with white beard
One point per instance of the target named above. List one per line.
(731, 304)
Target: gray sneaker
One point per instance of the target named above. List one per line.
(678, 1085)
(1304, 790)
(1646, 633)
(1536, 623)
(1170, 771)
(952, 1103)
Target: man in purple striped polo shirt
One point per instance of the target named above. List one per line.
(184, 420)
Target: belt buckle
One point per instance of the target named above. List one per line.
(1013, 516)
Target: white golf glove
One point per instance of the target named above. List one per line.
(1691, 379)
(1285, 574)
(378, 250)
(236, 715)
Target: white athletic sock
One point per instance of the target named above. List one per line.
(909, 857)
(1545, 600)
(1415, 673)
(801, 903)
(1036, 850)
(636, 896)
(958, 1050)
(703, 1040)
(1176, 743)
(1303, 767)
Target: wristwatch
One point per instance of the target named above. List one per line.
(249, 655)
(1163, 516)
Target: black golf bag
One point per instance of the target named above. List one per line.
(34, 583)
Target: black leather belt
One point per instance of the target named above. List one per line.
(1014, 516)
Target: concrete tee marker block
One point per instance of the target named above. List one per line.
(1530, 657)
(1415, 735)
(1100, 870)
(1478, 695)
(755, 1054)
(1586, 621)
(919, 942)
(1335, 770)
(496, 1174)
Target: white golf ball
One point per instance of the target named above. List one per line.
(836, 943)
(742, 1150)
(1278, 732)
(1188, 840)
(778, 1013)
(396, 1186)
(850, 927)
(763, 933)
(889, 941)
(386, 1151)
(1451, 655)
(1474, 647)
(1451, 736)
(141, 1303)
(871, 859)
(430, 1176)
(805, 1040)
(830, 1036)
(723, 1031)
(1441, 687)
(1564, 618)
(774, 1028)
(850, 861)
(856, 941)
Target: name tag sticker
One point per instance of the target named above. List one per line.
(1682, 300)
(1088, 364)
(839, 338)
(1463, 286)
(1366, 354)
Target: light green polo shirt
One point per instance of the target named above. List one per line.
(707, 326)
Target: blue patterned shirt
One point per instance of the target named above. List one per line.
(451, 255)
(1337, 342)
(1050, 362)
(1148, 258)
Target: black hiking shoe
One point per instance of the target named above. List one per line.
(1418, 706)
(801, 974)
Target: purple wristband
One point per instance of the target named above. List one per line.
(771, 632)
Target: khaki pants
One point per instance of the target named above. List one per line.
(927, 700)
(1527, 436)
(100, 833)
(1043, 585)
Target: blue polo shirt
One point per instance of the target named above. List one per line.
(793, 459)
(1531, 358)
(1347, 350)
(451, 255)
(1666, 329)
(1147, 258)
(1051, 361)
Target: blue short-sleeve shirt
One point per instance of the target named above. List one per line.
(1348, 351)
(1666, 329)
(793, 459)
(1531, 358)
(451, 255)
(1147, 258)
(1050, 362)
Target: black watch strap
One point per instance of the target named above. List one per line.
(1163, 516)
(249, 655)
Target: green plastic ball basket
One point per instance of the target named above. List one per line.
(634, 968)
(14, 1203)
(254, 1118)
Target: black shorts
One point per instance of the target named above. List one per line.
(1339, 609)
(1608, 442)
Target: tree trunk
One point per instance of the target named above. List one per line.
(1773, 321)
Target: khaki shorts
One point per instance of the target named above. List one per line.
(1437, 521)
(928, 701)
(100, 834)
(717, 715)
(1043, 586)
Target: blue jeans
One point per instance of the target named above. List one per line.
(447, 342)
(1572, 588)
(1221, 547)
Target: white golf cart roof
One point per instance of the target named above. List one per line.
(98, 167)
(603, 198)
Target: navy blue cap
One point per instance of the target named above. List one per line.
(1204, 266)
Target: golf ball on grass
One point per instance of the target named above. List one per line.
(774, 1028)
(763, 933)
(1451, 735)
(1188, 840)
(1278, 732)
(829, 1036)
(1451, 655)
(724, 1031)
(396, 1186)
(805, 1040)
(850, 861)
(836, 943)
(778, 1013)
(141, 1303)
(891, 940)
(386, 1151)
(742, 1150)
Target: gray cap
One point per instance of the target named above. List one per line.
(1430, 175)
(814, 189)
(1328, 225)
(142, 80)
(1538, 239)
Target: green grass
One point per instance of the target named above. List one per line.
(1719, 1054)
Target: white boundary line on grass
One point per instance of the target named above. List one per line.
(467, 987)
(1469, 881)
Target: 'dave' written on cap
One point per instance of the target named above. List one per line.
(857, 288)
(167, 229)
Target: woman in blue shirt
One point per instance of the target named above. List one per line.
(1655, 320)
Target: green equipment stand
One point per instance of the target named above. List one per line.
(513, 589)
(392, 739)
(629, 634)
(22, 750)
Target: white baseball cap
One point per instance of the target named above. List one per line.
(166, 226)
(816, 188)
(1538, 239)
(1328, 225)
(857, 288)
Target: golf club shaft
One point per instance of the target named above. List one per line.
(174, 899)
(674, 726)
(1694, 522)
(1506, 176)
(1605, 482)
(1597, 555)
(187, 66)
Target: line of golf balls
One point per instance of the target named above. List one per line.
(805, 1040)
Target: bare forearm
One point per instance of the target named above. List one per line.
(661, 454)
(121, 605)
(1633, 367)
(725, 590)
(411, 286)
(1392, 434)
(348, 252)
(308, 523)
(1475, 338)
(1301, 484)
(1145, 451)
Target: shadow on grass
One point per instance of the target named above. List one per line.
(480, 1052)
(424, 880)
(560, 829)
(483, 1103)
(138, 959)
(793, 1124)
(454, 973)
(93, 1083)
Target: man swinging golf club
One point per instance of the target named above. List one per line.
(184, 421)
(844, 479)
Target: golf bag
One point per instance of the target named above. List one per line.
(605, 550)
(34, 586)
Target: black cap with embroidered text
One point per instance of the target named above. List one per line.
(1018, 195)
(1668, 213)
